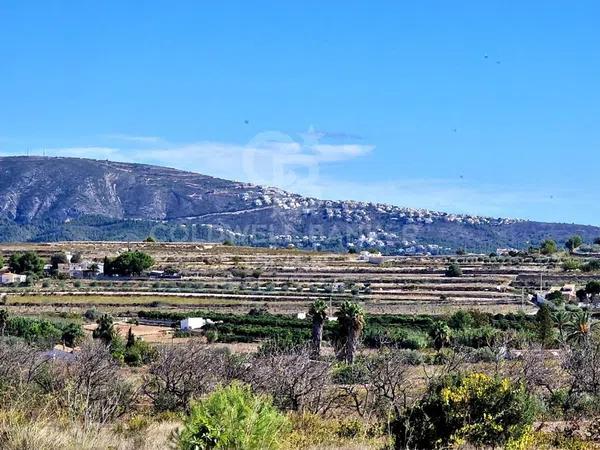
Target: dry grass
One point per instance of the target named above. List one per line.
(19, 434)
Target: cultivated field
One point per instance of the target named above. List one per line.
(235, 279)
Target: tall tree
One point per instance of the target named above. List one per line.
(548, 247)
(56, 259)
(593, 288)
(129, 263)
(106, 330)
(351, 319)
(318, 313)
(3, 320)
(545, 326)
(26, 262)
(573, 242)
(130, 339)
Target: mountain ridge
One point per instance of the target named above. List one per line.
(56, 198)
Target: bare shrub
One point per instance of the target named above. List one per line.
(90, 387)
(185, 371)
(19, 362)
(390, 380)
(381, 384)
(582, 364)
(537, 370)
(296, 382)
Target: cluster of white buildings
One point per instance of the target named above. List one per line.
(396, 219)
(355, 211)
(80, 269)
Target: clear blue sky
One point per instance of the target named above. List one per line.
(486, 107)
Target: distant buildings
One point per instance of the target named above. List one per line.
(13, 278)
(83, 269)
(569, 291)
(506, 251)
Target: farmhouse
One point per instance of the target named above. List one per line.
(194, 323)
(84, 269)
(10, 278)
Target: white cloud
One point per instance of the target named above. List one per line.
(329, 152)
(270, 158)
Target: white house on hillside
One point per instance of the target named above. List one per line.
(10, 278)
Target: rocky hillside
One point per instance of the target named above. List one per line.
(46, 199)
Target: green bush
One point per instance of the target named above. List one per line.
(571, 264)
(548, 247)
(233, 418)
(350, 373)
(453, 270)
(473, 409)
(376, 337)
(591, 266)
(460, 320)
(475, 337)
(140, 353)
(92, 314)
(34, 329)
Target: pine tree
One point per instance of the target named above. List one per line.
(130, 339)
(545, 326)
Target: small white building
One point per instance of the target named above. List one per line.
(370, 257)
(10, 278)
(81, 270)
(194, 323)
(376, 259)
(569, 291)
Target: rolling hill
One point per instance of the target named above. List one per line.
(50, 199)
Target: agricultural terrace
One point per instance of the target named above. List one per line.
(236, 279)
(378, 342)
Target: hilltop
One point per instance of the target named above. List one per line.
(50, 199)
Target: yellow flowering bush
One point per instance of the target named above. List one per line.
(469, 408)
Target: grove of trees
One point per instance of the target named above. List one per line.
(129, 263)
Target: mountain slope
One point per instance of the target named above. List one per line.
(70, 198)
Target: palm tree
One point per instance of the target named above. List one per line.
(440, 334)
(351, 319)
(561, 319)
(318, 312)
(580, 328)
(105, 331)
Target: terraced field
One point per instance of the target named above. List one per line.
(231, 278)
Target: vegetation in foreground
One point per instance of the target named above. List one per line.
(120, 393)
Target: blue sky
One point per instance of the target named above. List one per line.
(476, 107)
